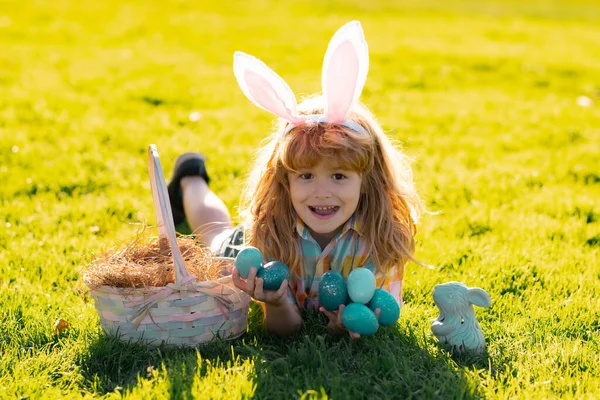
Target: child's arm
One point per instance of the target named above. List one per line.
(282, 317)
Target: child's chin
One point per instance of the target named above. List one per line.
(322, 224)
(323, 230)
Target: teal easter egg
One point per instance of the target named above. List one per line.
(360, 319)
(361, 285)
(273, 274)
(247, 258)
(332, 290)
(390, 310)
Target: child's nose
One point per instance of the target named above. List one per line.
(322, 190)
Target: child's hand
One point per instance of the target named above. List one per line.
(254, 287)
(335, 321)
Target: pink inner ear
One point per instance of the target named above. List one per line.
(340, 82)
(265, 95)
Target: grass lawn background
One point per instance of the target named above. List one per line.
(483, 96)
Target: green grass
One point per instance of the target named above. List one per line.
(483, 96)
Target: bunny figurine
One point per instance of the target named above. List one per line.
(456, 324)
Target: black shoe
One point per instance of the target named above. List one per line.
(188, 164)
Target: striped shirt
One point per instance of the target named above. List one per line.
(347, 251)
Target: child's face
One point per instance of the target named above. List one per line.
(324, 197)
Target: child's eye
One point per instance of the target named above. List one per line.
(338, 177)
(306, 176)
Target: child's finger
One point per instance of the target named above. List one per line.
(250, 281)
(237, 281)
(259, 292)
(330, 314)
(281, 291)
(354, 335)
(339, 315)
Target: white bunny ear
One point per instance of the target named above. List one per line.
(479, 297)
(345, 70)
(263, 87)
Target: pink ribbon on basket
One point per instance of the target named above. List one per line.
(223, 303)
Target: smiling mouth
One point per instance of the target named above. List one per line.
(324, 210)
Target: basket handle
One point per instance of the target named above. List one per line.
(164, 216)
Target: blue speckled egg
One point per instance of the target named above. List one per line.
(360, 319)
(390, 310)
(361, 285)
(332, 290)
(247, 258)
(273, 274)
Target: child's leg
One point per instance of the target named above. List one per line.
(205, 212)
(192, 200)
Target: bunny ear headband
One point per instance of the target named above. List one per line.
(345, 69)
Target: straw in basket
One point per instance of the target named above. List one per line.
(185, 313)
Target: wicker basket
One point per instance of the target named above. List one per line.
(184, 313)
